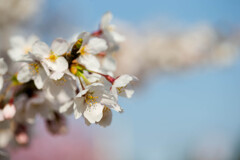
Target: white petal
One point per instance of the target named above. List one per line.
(70, 74)
(17, 41)
(106, 119)
(24, 75)
(40, 49)
(64, 108)
(109, 64)
(96, 45)
(78, 108)
(94, 113)
(123, 80)
(56, 75)
(117, 108)
(114, 92)
(16, 54)
(45, 68)
(3, 67)
(40, 78)
(117, 37)
(59, 65)
(62, 90)
(97, 88)
(128, 92)
(111, 102)
(32, 39)
(59, 46)
(92, 78)
(84, 36)
(89, 61)
(105, 21)
(81, 93)
(1, 82)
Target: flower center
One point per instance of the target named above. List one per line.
(90, 99)
(82, 50)
(27, 49)
(52, 57)
(34, 68)
(120, 89)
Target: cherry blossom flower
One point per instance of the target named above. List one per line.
(61, 89)
(91, 102)
(66, 78)
(20, 47)
(123, 86)
(89, 48)
(52, 58)
(34, 70)
(108, 29)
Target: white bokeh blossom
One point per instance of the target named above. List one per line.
(3, 70)
(21, 46)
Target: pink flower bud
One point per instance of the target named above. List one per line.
(9, 111)
(22, 138)
(21, 134)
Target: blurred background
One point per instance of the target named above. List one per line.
(186, 55)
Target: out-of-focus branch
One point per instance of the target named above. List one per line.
(173, 51)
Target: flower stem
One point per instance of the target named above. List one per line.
(81, 83)
(84, 78)
(109, 78)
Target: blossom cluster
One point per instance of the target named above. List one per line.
(69, 77)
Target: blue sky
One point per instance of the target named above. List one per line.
(170, 113)
(138, 11)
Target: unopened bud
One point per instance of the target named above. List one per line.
(97, 33)
(109, 78)
(9, 111)
(22, 138)
(73, 69)
(21, 134)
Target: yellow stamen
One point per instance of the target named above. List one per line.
(34, 68)
(90, 99)
(53, 57)
(27, 49)
(82, 50)
(120, 89)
